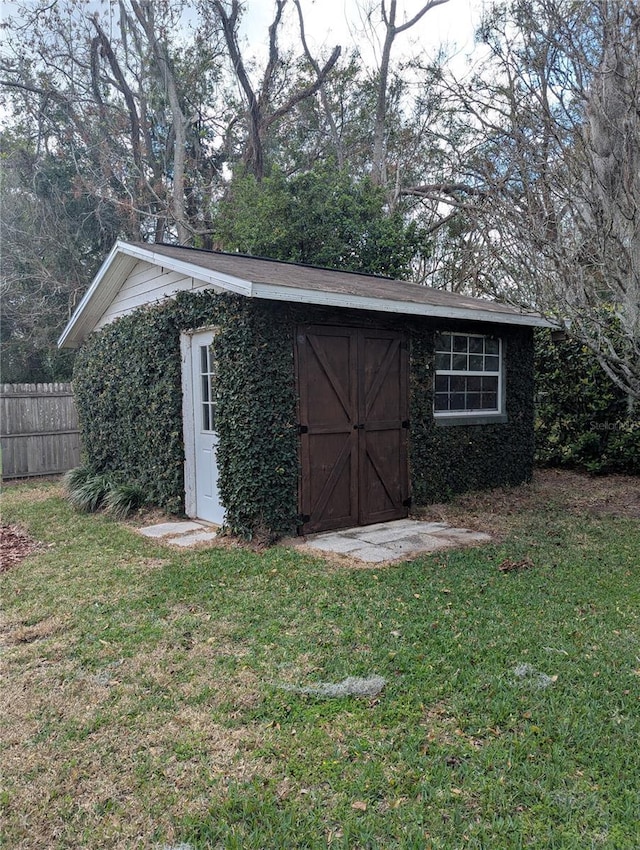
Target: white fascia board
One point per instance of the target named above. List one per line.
(218, 280)
(361, 302)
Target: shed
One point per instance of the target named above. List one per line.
(277, 397)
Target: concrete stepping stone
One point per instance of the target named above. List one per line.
(163, 529)
(192, 539)
(184, 533)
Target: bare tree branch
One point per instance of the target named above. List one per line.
(335, 137)
(378, 165)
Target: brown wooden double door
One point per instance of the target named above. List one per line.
(353, 415)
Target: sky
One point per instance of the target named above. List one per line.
(331, 22)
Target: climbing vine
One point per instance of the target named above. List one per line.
(129, 395)
(446, 460)
(128, 389)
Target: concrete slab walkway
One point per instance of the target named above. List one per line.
(373, 544)
(393, 541)
(185, 533)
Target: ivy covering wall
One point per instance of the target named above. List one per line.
(128, 390)
(127, 386)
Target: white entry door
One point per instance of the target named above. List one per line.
(202, 469)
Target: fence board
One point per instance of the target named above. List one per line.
(39, 432)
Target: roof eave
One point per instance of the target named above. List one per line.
(124, 255)
(104, 281)
(389, 305)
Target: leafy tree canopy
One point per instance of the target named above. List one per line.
(321, 217)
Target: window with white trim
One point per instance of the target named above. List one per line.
(468, 375)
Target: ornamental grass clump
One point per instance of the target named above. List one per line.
(86, 489)
(90, 491)
(122, 499)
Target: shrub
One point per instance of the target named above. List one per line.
(123, 499)
(583, 419)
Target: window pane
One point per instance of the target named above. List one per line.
(489, 401)
(460, 343)
(443, 342)
(491, 364)
(474, 401)
(476, 362)
(492, 346)
(458, 383)
(457, 401)
(443, 361)
(212, 417)
(460, 362)
(489, 385)
(442, 401)
(442, 383)
(474, 384)
(205, 417)
(204, 365)
(205, 388)
(476, 344)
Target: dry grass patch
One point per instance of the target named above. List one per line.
(561, 490)
(17, 633)
(443, 729)
(120, 757)
(145, 564)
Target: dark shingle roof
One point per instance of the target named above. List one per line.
(259, 270)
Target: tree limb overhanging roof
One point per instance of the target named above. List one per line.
(272, 280)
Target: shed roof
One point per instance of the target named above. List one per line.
(256, 277)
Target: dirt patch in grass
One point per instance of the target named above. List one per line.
(550, 489)
(15, 546)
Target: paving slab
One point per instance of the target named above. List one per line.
(418, 544)
(372, 554)
(339, 544)
(192, 539)
(183, 533)
(392, 541)
(384, 536)
(163, 529)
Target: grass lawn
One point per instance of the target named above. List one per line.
(141, 704)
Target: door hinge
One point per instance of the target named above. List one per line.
(303, 429)
(407, 502)
(405, 423)
(358, 427)
(303, 518)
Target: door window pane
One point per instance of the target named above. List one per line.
(207, 388)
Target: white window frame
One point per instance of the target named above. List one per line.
(475, 413)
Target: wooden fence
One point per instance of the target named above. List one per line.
(39, 432)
